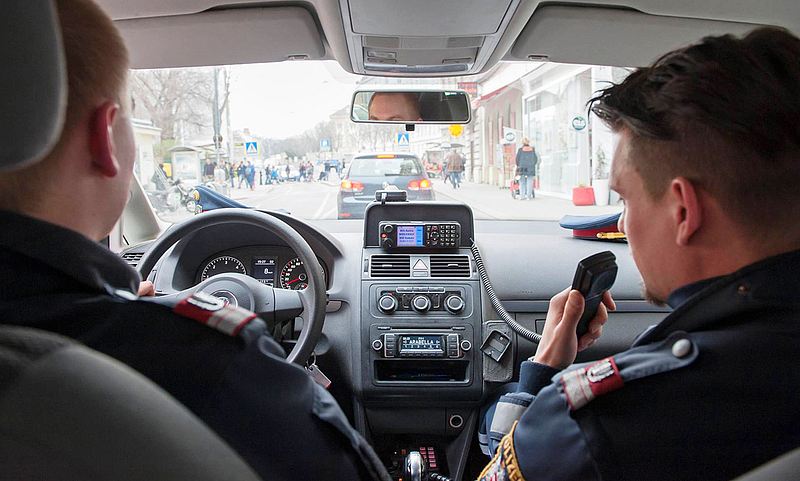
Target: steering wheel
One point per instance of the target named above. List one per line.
(268, 302)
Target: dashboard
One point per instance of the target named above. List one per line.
(408, 321)
(275, 266)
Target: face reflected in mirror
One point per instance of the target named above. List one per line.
(395, 106)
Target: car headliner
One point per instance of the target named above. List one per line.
(611, 32)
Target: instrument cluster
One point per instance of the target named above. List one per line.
(270, 265)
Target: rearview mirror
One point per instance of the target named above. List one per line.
(411, 107)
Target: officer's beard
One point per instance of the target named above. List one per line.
(651, 297)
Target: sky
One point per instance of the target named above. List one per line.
(282, 99)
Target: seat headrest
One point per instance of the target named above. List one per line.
(33, 82)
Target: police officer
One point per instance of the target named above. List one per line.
(707, 162)
(55, 276)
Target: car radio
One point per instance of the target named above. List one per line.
(421, 344)
(425, 235)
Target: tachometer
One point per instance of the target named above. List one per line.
(293, 275)
(222, 265)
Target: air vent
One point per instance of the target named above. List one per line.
(390, 266)
(132, 258)
(449, 266)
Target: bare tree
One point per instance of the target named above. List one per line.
(177, 97)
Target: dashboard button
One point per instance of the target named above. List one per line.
(421, 303)
(377, 345)
(387, 303)
(454, 304)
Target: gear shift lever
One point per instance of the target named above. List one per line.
(414, 466)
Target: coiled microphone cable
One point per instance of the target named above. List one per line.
(498, 306)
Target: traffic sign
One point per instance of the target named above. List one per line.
(456, 130)
(251, 148)
(325, 145)
(403, 139)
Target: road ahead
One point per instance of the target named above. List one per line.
(316, 200)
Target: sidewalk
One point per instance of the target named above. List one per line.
(492, 202)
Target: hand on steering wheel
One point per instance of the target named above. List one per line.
(268, 302)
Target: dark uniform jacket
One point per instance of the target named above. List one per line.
(271, 412)
(709, 393)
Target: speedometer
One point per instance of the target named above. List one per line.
(222, 265)
(293, 275)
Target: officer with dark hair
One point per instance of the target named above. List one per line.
(55, 276)
(707, 163)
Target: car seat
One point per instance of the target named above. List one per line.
(67, 412)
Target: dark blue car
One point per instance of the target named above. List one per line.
(370, 173)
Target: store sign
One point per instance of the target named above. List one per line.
(511, 136)
(579, 122)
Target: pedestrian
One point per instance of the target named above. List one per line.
(455, 166)
(208, 171)
(231, 173)
(527, 163)
(219, 175)
(250, 173)
(241, 171)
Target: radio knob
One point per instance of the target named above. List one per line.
(388, 243)
(377, 345)
(454, 304)
(421, 303)
(387, 228)
(387, 303)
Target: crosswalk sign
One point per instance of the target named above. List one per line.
(251, 148)
(403, 139)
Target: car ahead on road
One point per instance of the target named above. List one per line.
(370, 173)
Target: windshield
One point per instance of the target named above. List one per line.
(381, 166)
(279, 136)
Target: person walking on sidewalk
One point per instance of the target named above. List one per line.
(527, 162)
(455, 166)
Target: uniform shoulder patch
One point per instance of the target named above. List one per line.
(504, 465)
(582, 385)
(215, 313)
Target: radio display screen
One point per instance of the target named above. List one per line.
(410, 236)
(421, 344)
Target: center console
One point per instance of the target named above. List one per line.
(420, 373)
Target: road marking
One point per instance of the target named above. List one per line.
(328, 197)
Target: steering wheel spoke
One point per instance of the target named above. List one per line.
(273, 305)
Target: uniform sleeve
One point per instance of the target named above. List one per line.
(283, 424)
(545, 444)
(510, 406)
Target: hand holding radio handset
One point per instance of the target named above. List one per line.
(576, 315)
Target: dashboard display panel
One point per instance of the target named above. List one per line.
(423, 344)
(264, 270)
(410, 236)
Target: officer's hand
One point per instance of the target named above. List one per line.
(146, 288)
(559, 344)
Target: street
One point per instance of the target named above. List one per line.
(317, 200)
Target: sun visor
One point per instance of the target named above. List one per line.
(608, 36)
(223, 37)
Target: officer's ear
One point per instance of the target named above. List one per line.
(687, 211)
(101, 139)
